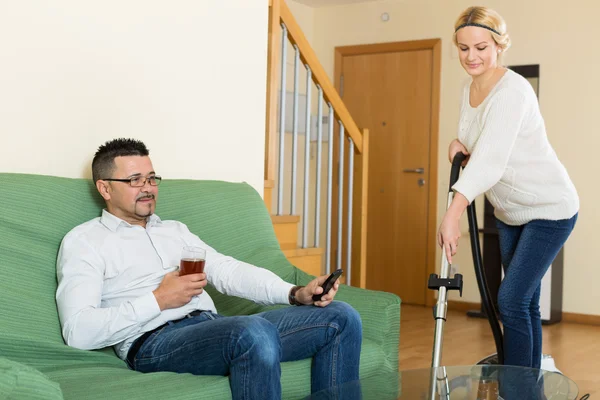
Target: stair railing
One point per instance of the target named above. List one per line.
(283, 28)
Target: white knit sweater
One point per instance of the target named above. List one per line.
(512, 161)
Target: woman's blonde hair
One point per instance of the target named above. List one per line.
(485, 18)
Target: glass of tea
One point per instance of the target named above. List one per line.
(192, 260)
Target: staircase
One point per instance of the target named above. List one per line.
(309, 260)
(318, 211)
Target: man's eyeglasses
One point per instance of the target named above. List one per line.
(139, 181)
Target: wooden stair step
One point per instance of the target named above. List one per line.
(268, 193)
(299, 252)
(307, 259)
(285, 219)
(310, 259)
(286, 230)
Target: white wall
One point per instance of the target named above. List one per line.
(186, 77)
(552, 34)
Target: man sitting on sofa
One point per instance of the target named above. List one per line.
(119, 285)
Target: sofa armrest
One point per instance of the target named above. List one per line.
(380, 314)
(380, 311)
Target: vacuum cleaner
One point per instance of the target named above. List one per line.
(443, 283)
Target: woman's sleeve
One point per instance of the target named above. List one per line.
(502, 121)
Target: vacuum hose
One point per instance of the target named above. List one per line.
(484, 291)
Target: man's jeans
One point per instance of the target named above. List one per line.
(250, 348)
(526, 251)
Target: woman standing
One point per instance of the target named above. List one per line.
(511, 161)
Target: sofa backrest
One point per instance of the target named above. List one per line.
(37, 211)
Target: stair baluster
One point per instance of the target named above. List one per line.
(319, 161)
(306, 158)
(340, 213)
(282, 118)
(295, 130)
(329, 194)
(348, 271)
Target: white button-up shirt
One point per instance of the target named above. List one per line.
(107, 270)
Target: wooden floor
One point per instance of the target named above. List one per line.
(575, 348)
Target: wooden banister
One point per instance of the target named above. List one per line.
(273, 60)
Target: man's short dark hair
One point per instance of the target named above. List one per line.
(103, 164)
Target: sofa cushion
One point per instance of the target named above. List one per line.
(95, 375)
(18, 381)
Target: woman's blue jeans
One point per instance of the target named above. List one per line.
(527, 252)
(250, 348)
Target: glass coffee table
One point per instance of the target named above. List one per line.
(476, 382)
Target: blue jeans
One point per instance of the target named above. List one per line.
(527, 252)
(250, 348)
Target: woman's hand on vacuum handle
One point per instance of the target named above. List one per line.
(455, 147)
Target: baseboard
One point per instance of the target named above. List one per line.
(585, 319)
(465, 306)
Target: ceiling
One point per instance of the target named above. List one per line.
(328, 3)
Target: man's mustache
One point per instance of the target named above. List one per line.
(145, 196)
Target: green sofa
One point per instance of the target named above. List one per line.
(37, 211)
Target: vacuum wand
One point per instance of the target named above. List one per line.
(443, 283)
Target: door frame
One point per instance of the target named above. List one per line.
(435, 46)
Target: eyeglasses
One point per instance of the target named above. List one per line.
(138, 181)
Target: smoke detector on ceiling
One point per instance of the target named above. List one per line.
(385, 17)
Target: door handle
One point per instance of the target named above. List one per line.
(414, 170)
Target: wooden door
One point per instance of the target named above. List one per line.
(391, 94)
